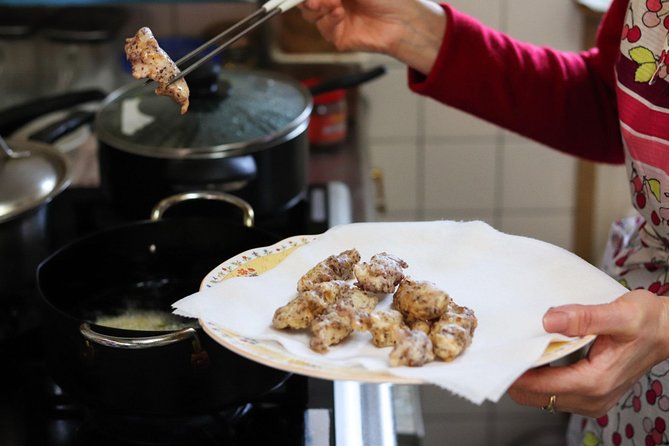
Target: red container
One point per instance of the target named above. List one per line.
(328, 122)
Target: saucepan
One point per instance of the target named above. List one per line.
(245, 133)
(100, 297)
(31, 175)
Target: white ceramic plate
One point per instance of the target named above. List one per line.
(257, 261)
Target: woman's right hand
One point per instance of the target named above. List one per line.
(409, 30)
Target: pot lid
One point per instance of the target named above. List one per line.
(32, 176)
(231, 112)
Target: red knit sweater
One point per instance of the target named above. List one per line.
(565, 100)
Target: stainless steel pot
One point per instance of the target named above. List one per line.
(31, 175)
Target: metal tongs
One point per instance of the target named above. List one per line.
(252, 21)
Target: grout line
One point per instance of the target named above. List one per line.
(420, 160)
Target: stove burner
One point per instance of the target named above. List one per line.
(35, 412)
(237, 426)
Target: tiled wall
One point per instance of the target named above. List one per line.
(441, 163)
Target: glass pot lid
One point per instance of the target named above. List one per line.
(231, 112)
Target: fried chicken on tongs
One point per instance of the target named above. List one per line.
(150, 61)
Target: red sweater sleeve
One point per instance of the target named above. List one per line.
(565, 100)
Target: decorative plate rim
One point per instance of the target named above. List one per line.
(273, 354)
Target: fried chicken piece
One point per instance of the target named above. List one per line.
(413, 348)
(328, 329)
(362, 300)
(384, 325)
(148, 60)
(462, 316)
(420, 300)
(303, 309)
(449, 339)
(453, 332)
(299, 312)
(423, 326)
(338, 322)
(381, 274)
(357, 317)
(335, 267)
(332, 290)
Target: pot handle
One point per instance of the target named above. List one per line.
(199, 357)
(248, 215)
(138, 343)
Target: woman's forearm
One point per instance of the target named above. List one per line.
(418, 47)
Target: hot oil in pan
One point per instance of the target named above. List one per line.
(142, 306)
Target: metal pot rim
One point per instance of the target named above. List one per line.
(63, 172)
(249, 146)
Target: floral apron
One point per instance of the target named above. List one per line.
(637, 254)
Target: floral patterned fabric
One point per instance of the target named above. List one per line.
(638, 249)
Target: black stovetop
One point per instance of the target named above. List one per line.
(35, 412)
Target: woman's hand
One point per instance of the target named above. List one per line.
(632, 336)
(409, 30)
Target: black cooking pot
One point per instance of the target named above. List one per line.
(31, 175)
(244, 133)
(142, 266)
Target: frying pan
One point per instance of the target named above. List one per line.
(147, 265)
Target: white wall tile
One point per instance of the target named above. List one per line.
(393, 109)
(395, 216)
(535, 176)
(438, 401)
(557, 23)
(460, 175)
(457, 431)
(524, 432)
(487, 215)
(447, 122)
(488, 12)
(397, 161)
(556, 227)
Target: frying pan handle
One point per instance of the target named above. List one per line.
(139, 343)
(348, 81)
(248, 215)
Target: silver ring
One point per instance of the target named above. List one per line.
(550, 407)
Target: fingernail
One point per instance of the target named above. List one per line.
(556, 321)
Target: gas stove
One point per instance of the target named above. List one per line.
(301, 411)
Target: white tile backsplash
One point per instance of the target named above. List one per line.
(486, 215)
(489, 12)
(550, 225)
(393, 108)
(460, 175)
(550, 22)
(537, 177)
(397, 160)
(447, 122)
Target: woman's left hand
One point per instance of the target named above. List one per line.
(632, 336)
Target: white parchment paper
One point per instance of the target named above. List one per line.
(509, 281)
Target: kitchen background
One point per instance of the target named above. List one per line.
(428, 161)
